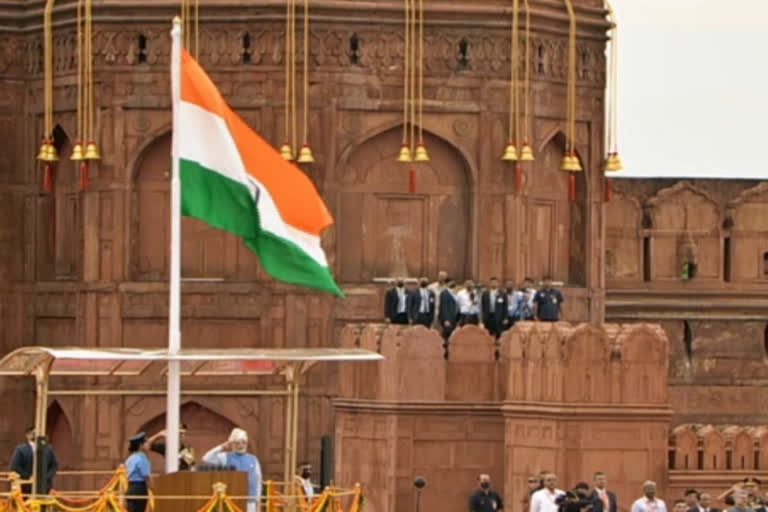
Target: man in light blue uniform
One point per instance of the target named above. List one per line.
(234, 453)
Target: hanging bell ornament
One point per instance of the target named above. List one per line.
(286, 151)
(422, 155)
(91, 151)
(405, 153)
(305, 154)
(42, 155)
(52, 153)
(613, 163)
(570, 163)
(576, 162)
(77, 152)
(526, 152)
(510, 152)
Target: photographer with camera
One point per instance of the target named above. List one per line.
(577, 500)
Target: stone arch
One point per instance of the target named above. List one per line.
(206, 252)
(557, 226)
(686, 234)
(742, 450)
(749, 235)
(379, 128)
(206, 428)
(385, 230)
(686, 443)
(59, 432)
(713, 448)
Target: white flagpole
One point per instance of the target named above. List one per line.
(174, 310)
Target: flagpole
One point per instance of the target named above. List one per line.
(174, 310)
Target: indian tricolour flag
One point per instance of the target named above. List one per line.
(234, 180)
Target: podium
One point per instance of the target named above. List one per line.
(197, 483)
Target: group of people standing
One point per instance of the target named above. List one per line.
(544, 496)
(231, 455)
(444, 306)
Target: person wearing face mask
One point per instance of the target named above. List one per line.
(234, 454)
(421, 304)
(304, 488)
(485, 499)
(396, 303)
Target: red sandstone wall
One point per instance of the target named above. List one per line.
(570, 399)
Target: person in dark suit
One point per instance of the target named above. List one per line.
(705, 503)
(448, 314)
(603, 499)
(23, 463)
(421, 304)
(395, 304)
(692, 500)
(494, 309)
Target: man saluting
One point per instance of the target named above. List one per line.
(234, 453)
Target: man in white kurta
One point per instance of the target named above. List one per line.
(545, 499)
(234, 454)
(649, 502)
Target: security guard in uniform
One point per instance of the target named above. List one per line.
(548, 303)
(484, 499)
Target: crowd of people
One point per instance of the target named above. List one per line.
(231, 455)
(444, 305)
(543, 495)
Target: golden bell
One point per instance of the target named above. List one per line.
(613, 163)
(305, 155)
(526, 153)
(405, 154)
(43, 153)
(77, 152)
(570, 163)
(510, 152)
(286, 152)
(91, 151)
(575, 164)
(422, 155)
(51, 153)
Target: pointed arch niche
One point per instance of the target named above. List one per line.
(383, 230)
(205, 252)
(59, 432)
(60, 223)
(556, 226)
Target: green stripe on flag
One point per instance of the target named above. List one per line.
(226, 204)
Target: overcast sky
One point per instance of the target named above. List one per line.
(693, 87)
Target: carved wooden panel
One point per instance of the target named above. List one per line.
(384, 230)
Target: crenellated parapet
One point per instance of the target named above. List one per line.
(570, 398)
